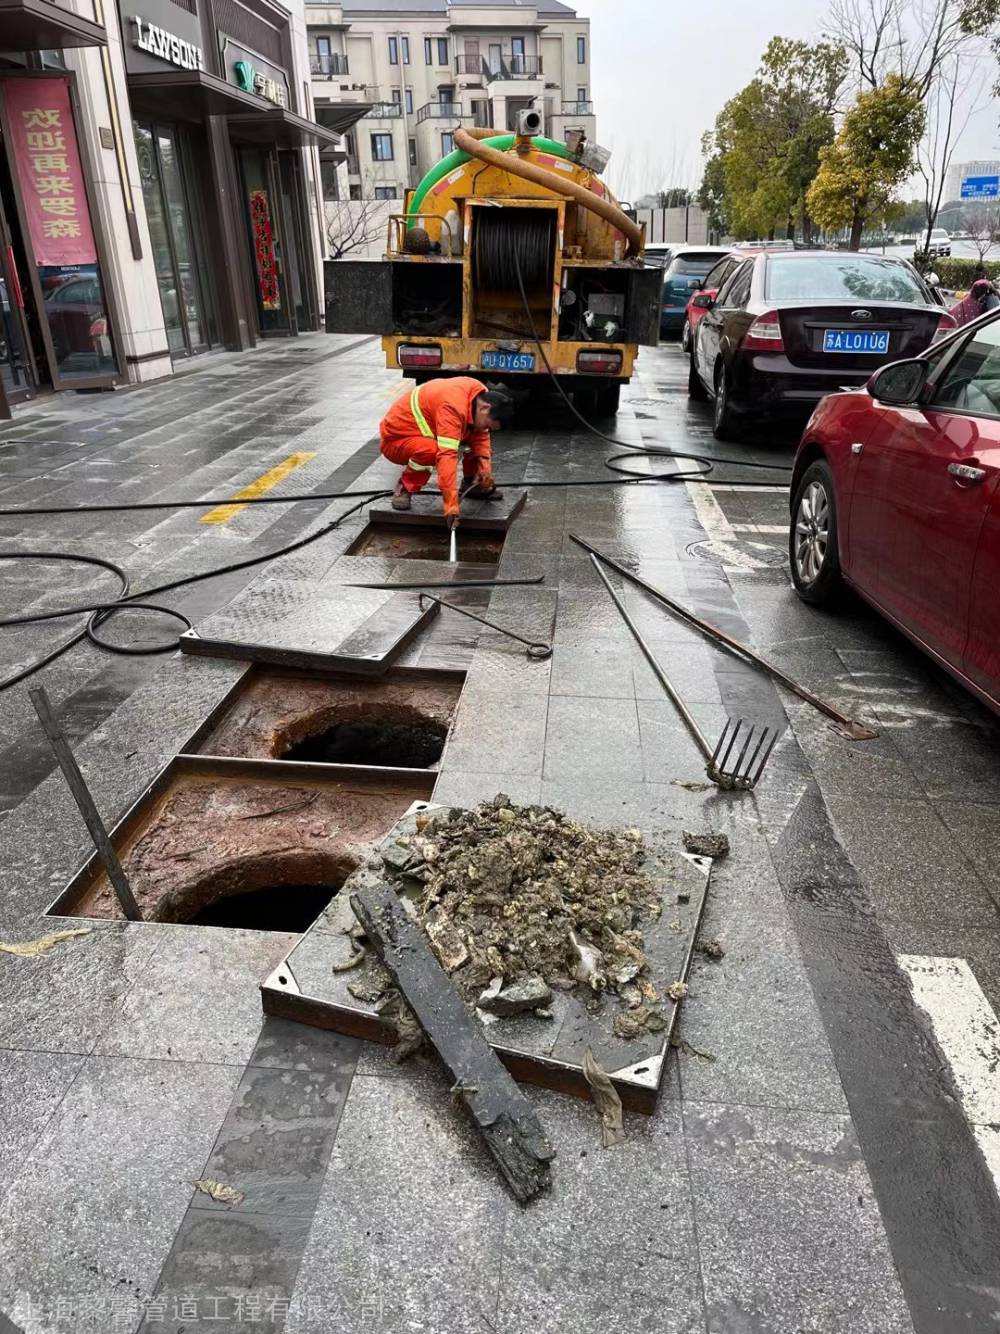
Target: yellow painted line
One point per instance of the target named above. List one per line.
(223, 513)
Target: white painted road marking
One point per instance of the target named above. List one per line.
(968, 1033)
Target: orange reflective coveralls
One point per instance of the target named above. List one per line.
(430, 426)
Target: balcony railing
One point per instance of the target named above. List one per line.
(578, 108)
(384, 111)
(442, 111)
(328, 66)
(502, 66)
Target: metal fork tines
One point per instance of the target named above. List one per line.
(741, 775)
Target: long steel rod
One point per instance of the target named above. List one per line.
(533, 648)
(85, 802)
(855, 730)
(664, 679)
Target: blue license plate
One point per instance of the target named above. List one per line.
(508, 361)
(872, 341)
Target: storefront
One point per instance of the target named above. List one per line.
(223, 176)
(57, 328)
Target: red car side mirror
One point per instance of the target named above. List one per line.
(703, 300)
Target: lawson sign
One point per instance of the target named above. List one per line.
(980, 187)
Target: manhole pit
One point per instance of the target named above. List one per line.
(400, 722)
(245, 843)
(425, 543)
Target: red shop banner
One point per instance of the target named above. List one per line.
(47, 161)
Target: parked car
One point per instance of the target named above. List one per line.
(938, 245)
(683, 274)
(896, 492)
(787, 328)
(709, 287)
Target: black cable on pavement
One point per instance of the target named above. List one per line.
(103, 610)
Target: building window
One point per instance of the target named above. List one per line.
(406, 50)
(323, 47)
(409, 101)
(443, 52)
(385, 192)
(355, 191)
(412, 150)
(517, 54)
(428, 51)
(393, 51)
(581, 94)
(397, 97)
(351, 146)
(328, 178)
(381, 147)
(447, 144)
(581, 50)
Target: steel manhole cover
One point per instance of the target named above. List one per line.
(744, 555)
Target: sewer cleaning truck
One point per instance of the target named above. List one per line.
(511, 261)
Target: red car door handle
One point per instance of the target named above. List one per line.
(965, 472)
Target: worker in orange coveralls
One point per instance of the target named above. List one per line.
(431, 425)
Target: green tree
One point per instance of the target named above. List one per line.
(674, 198)
(870, 158)
(981, 18)
(763, 152)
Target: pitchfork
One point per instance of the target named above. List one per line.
(740, 775)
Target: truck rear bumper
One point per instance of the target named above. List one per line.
(464, 356)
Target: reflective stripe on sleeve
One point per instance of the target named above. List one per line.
(418, 467)
(448, 442)
(418, 416)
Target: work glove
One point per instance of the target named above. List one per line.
(451, 520)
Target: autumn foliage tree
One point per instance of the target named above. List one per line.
(764, 149)
(872, 155)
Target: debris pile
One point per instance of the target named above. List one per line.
(518, 901)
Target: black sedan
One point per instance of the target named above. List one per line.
(787, 328)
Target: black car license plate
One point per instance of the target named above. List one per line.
(870, 341)
(508, 361)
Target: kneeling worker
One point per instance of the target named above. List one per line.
(431, 424)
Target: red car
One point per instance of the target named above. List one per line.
(711, 283)
(896, 492)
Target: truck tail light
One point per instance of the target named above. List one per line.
(945, 325)
(599, 363)
(764, 335)
(419, 355)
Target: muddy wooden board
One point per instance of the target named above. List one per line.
(303, 624)
(484, 516)
(308, 986)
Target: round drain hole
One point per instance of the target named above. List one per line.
(380, 745)
(749, 555)
(271, 908)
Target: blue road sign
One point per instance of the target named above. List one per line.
(981, 187)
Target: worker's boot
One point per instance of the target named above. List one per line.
(400, 497)
(478, 493)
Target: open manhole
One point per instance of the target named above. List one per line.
(425, 543)
(399, 722)
(245, 843)
(273, 908)
(389, 745)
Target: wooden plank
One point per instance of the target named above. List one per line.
(499, 1109)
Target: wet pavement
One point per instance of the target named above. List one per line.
(831, 1168)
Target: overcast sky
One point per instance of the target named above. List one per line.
(662, 69)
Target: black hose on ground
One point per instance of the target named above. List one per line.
(102, 610)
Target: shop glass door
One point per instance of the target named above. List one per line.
(300, 276)
(262, 210)
(184, 296)
(18, 374)
(45, 190)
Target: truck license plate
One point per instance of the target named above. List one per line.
(856, 340)
(508, 361)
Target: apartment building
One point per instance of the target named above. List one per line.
(425, 67)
